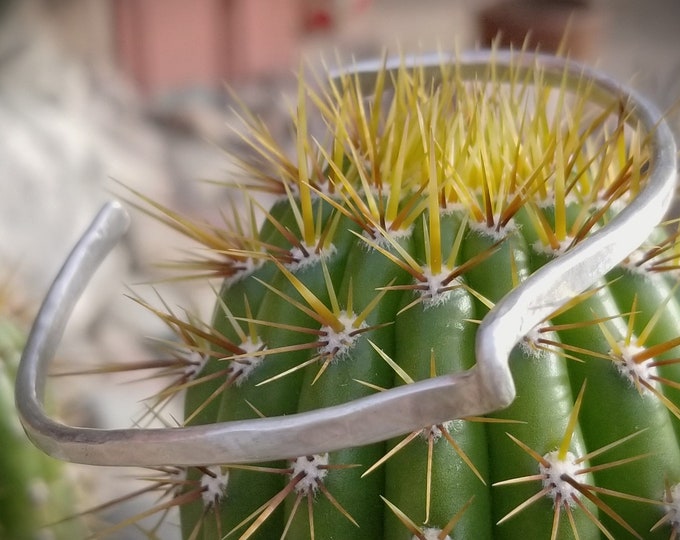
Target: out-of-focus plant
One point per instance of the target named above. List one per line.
(36, 491)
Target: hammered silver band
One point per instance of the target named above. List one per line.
(483, 389)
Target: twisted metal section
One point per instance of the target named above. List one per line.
(483, 389)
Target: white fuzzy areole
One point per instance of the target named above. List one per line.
(632, 263)
(530, 343)
(315, 470)
(196, 362)
(385, 238)
(214, 485)
(249, 266)
(634, 371)
(433, 295)
(564, 246)
(431, 533)
(434, 432)
(558, 489)
(245, 365)
(493, 232)
(339, 344)
(312, 257)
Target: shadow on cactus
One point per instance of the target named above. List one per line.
(397, 227)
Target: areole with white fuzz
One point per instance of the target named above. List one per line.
(554, 472)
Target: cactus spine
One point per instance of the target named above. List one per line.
(394, 233)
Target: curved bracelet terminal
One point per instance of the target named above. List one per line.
(485, 388)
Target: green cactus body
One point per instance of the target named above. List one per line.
(35, 492)
(393, 238)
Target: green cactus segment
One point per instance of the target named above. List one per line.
(396, 237)
(445, 458)
(618, 410)
(537, 419)
(353, 357)
(35, 492)
(654, 310)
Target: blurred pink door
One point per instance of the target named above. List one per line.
(166, 44)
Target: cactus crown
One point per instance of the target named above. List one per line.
(418, 203)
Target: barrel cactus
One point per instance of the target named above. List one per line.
(419, 204)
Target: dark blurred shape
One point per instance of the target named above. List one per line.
(543, 24)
